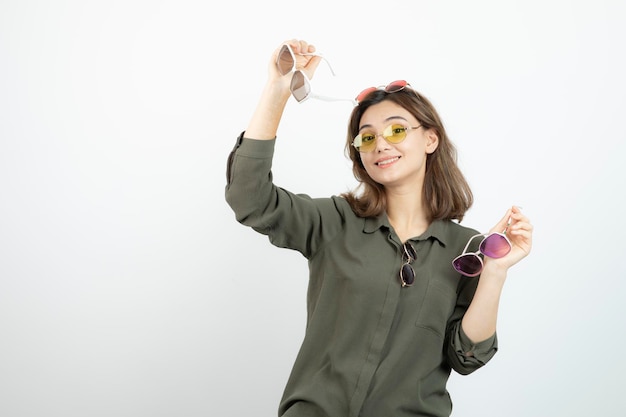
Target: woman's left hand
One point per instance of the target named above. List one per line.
(518, 229)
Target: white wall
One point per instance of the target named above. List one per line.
(128, 289)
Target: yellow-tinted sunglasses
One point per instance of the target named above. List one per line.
(394, 133)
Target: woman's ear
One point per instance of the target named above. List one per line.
(432, 141)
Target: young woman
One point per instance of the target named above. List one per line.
(399, 292)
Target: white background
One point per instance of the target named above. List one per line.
(127, 288)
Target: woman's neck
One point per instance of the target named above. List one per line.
(406, 214)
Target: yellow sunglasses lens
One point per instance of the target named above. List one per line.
(394, 133)
(366, 141)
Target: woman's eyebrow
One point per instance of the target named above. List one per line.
(388, 119)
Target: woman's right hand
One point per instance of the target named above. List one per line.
(306, 63)
(269, 110)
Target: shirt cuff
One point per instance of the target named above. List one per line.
(254, 148)
(483, 351)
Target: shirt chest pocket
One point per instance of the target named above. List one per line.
(436, 307)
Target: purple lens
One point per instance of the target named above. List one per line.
(469, 265)
(495, 246)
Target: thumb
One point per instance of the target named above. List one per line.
(502, 225)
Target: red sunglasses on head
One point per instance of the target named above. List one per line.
(392, 87)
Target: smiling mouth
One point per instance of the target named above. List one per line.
(387, 161)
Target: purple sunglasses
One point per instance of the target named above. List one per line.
(494, 245)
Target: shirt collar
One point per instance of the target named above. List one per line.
(439, 229)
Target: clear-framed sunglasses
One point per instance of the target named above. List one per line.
(301, 89)
(300, 86)
(494, 245)
(286, 60)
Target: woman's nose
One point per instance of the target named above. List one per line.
(381, 143)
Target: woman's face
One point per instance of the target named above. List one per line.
(401, 164)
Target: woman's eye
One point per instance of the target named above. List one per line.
(367, 138)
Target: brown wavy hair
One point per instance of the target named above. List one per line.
(446, 192)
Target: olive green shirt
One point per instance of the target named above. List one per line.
(371, 348)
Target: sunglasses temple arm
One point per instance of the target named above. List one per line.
(324, 59)
(470, 241)
(326, 98)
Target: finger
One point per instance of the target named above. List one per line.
(304, 61)
(517, 216)
(312, 65)
(516, 210)
(524, 234)
(522, 230)
(522, 226)
(523, 241)
(503, 223)
(302, 47)
(519, 221)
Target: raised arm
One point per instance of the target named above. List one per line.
(479, 322)
(268, 113)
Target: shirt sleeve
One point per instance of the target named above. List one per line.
(290, 220)
(466, 356)
(463, 355)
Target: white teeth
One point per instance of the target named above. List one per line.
(387, 161)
